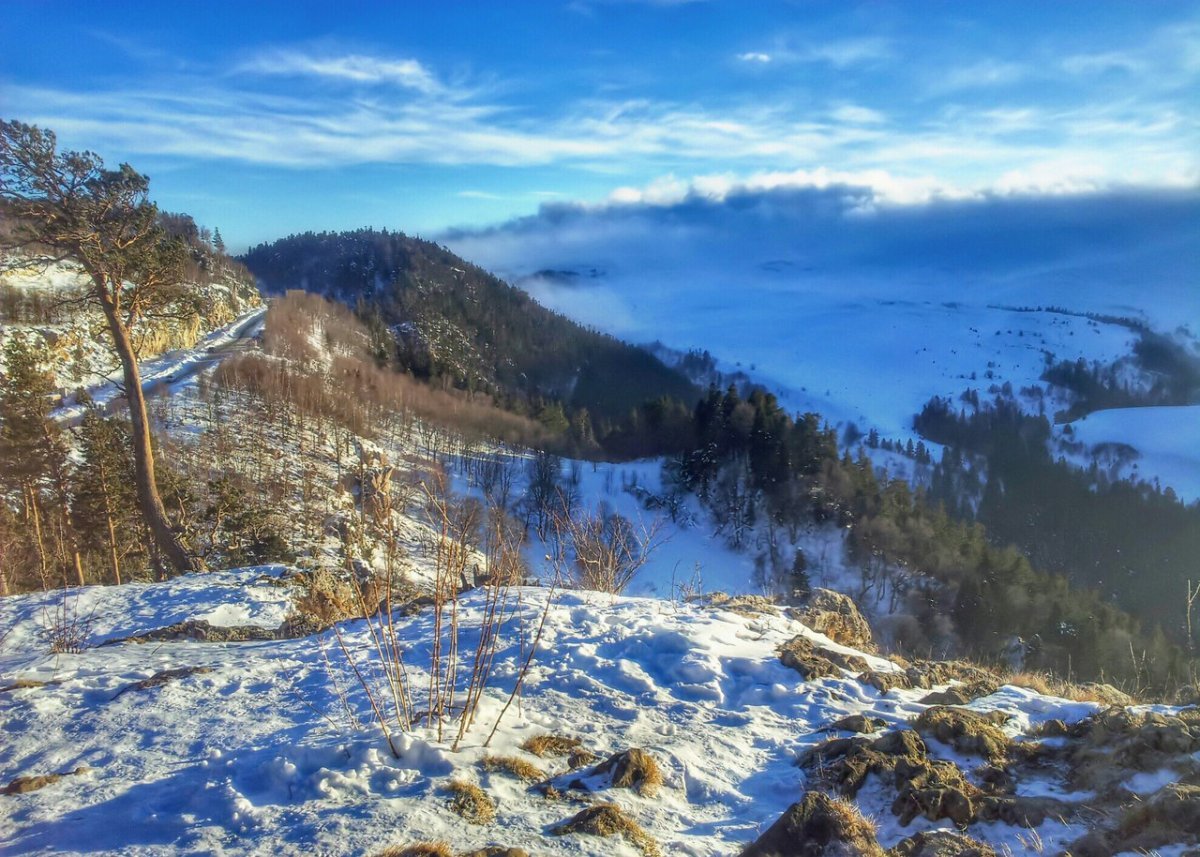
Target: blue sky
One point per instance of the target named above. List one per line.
(267, 118)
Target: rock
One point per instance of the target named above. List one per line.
(496, 851)
(859, 723)
(837, 617)
(813, 660)
(1106, 694)
(1022, 811)
(800, 654)
(961, 694)
(885, 682)
(817, 826)
(966, 731)
(940, 843)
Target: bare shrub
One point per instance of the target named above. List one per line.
(609, 549)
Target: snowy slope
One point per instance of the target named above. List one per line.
(257, 755)
(1166, 439)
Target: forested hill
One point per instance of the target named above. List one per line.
(446, 320)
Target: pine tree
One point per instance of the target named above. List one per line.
(68, 206)
(105, 502)
(33, 452)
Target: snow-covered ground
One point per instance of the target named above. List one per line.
(174, 366)
(1167, 440)
(258, 755)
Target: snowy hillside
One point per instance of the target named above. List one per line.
(183, 746)
(45, 301)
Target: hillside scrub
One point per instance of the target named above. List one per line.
(445, 321)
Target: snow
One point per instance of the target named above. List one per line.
(845, 316)
(175, 365)
(259, 755)
(1167, 440)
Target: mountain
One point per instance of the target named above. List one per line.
(439, 317)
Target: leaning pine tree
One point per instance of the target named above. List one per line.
(66, 206)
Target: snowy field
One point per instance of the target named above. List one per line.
(1167, 441)
(257, 753)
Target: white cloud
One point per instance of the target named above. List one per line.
(754, 57)
(353, 68)
(985, 73)
(857, 114)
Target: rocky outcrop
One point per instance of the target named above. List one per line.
(837, 617)
(818, 826)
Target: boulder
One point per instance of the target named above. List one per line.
(837, 617)
(817, 826)
(940, 843)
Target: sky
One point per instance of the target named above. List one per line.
(265, 118)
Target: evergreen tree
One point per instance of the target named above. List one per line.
(105, 502)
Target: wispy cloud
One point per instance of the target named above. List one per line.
(359, 108)
(839, 53)
(353, 68)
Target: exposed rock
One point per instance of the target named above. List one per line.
(961, 694)
(606, 819)
(200, 630)
(859, 723)
(496, 851)
(885, 682)
(966, 731)
(837, 617)
(940, 843)
(1022, 811)
(813, 661)
(818, 826)
(161, 678)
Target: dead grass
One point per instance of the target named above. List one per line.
(471, 802)
(1049, 685)
(551, 745)
(606, 819)
(417, 849)
(513, 765)
(633, 769)
(966, 731)
(24, 785)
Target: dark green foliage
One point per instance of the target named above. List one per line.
(104, 499)
(442, 319)
(948, 567)
(1134, 543)
(240, 528)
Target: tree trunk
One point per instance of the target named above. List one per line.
(151, 504)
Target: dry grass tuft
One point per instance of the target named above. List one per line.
(1049, 685)
(471, 802)
(417, 849)
(633, 769)
(551, 745)
(606, 819)
(513, 765)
